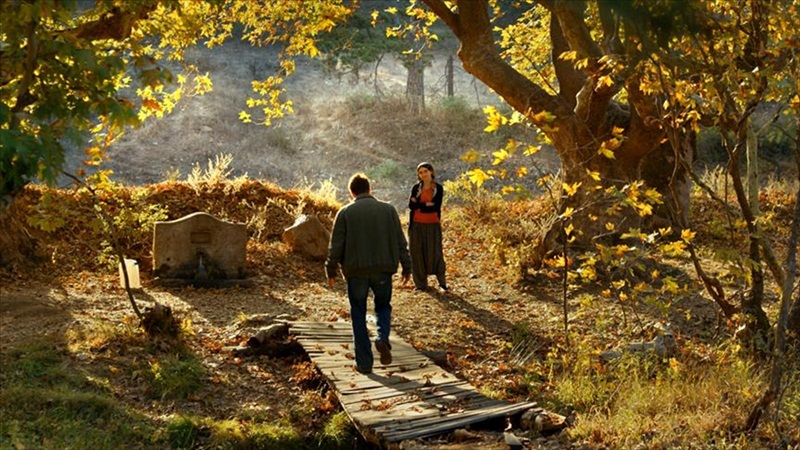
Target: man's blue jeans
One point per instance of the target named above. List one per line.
(357, 292)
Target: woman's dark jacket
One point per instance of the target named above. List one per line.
(438, 195)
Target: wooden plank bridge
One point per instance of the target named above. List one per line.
(408, 399)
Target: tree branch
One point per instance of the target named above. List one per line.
(593, 97)
(445, 14)
(115, 24)
(480, 57)
(570, 80)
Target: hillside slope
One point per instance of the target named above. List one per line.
(340, 125)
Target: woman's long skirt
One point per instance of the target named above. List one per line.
(425, 246)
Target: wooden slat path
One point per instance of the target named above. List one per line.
(411, 398)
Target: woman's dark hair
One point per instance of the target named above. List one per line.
(428, 166)
(359, 184)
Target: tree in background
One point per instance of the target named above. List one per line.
(349, 49)
(371, 34)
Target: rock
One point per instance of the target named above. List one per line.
(308, 237)
(526, 420)
(439, 357)
(462, 434)
(276, 331)
(512, 441)
(544, 422)
(663, 345)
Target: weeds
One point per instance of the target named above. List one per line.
(646, 401)
(338, 432)
(388, 169)
(218, 171)
(510, 228)
(182, 432)
(175, 376)
(40, 381)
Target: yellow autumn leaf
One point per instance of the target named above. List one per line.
(494, 119)
(593, 175)
(687, 235)
(245, 117)
(500, 156)
(674, 248)
(669, 285)
(795, 102)
(606, 151)
(605, 81)
(675, 365)
(471, 156)
(644, 209)
(506, 190)
(531, 150)
(478, 177)
(571, 189)
(568, 56)
(543, 117)
(543, 180)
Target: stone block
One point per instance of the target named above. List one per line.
(199, 247)
(308, 236)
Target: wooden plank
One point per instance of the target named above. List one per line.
(427, 427)
(446, 413)
(491, 411)
(422, 393)
(410, 398)
(440, 400)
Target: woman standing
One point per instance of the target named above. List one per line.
(425, 229)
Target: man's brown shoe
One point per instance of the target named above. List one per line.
(385, 350)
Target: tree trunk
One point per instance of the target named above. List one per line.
(415, 86)
(665, 171)
(752, 304)
(782, 324)
(449, 75)
(794, 319)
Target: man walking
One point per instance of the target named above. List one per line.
(367, 241)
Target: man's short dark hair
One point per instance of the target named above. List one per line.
(359, 184)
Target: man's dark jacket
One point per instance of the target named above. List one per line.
(367, 239)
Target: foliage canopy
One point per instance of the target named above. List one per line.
(72, 69)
